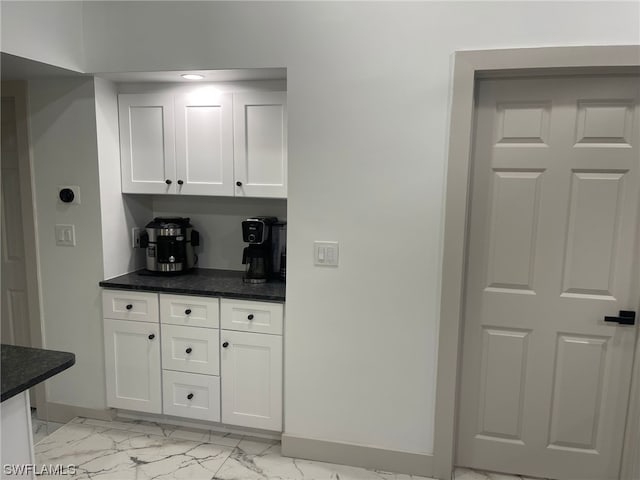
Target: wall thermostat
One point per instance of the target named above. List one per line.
(69, 194)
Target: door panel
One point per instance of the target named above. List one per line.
(503, 376)
(552, 241)
(577, 398)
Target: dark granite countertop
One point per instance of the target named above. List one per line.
(200, 281)
(24, 367)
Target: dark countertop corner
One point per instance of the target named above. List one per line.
(22, 367)
(200, 281)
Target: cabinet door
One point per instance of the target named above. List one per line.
(251, 375)
(147, 143)
(132, 356)
(204, 144)
(260, 144)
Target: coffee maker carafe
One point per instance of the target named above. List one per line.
(257, 257)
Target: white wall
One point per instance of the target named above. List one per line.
(49, 32)
(120, 213)
(63, 147)
(368, 87)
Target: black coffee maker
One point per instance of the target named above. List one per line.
(257, 257)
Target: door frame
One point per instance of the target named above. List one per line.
(469, 66)
(17, 89)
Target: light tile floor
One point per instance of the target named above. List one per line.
(122, 450)
(42, 428)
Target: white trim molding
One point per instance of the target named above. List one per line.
(371, 458)
(468, 66)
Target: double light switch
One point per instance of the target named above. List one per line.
(325, 253)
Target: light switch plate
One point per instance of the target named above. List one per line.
(325, 254)
(65, 235)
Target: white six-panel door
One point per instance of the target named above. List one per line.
(204, 144)
(552, 251)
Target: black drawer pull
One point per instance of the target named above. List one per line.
(225, 344)
(152, 336)
(129, 306)
(190, 396)
(250, 316)
(187, 311)
(189, 350)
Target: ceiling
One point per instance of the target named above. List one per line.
(18, 68)
(231, 75)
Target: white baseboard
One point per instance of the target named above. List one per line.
(197, 424)
(357, 455)
(61, 413)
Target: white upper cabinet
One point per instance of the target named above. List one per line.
(147, 147)
(260, 142)
(204, 144)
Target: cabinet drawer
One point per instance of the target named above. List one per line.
(190, 349)
(128, 305)
(249, 316)
(189, 311)
(191, 395)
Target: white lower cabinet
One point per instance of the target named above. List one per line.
(251, 371)
(132, 355)
(166, 354)
(191, 395)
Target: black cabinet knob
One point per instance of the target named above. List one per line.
(190, 396)
(167, 181)
(250, 316)
(189, 350)
(239, 183)
(187, 311)
(152, 336)
(180, 182)
(129, 306)
(225, 344)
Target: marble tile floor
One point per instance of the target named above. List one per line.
(130, 449)
(42, 428)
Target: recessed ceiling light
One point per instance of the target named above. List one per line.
(192, 76)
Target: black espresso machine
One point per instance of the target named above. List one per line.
(265, 256)
(169, 244)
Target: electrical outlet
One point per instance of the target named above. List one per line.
(135, 237)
